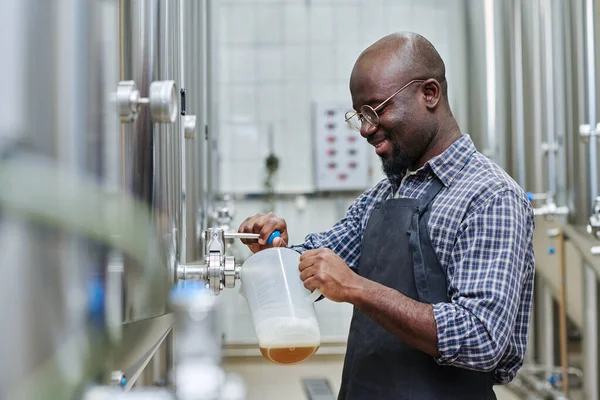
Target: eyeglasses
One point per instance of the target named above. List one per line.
(368, 113)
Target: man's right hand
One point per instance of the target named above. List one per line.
(264, 225)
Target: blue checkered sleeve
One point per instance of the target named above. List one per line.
(345, 237)
(490, 268)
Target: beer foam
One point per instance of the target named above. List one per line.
(288, 332)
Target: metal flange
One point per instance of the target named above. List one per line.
(229, 272)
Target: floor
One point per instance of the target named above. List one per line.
(266, 381)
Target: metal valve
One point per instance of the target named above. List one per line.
(549, 209)
(586, 131)
(593, 227)
(162, 100)
(219, 270)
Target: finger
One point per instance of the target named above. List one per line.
(243, 228)
(310, 254)
(270, 225)
(249, 226)
(312, 284)
(306, 263)
(279, 242)
(308, 273)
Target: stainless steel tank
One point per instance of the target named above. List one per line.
(95, 214)
(64, 223)
(534, 72)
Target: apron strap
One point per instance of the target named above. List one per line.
(422, 283)
(430, 194)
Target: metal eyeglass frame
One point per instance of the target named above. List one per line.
(369, 113)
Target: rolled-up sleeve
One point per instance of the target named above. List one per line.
(489, 279)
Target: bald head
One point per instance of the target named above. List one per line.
(398, 58)
(399, 89)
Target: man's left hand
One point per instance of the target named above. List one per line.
(323, 270)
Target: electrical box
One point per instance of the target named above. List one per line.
(340, 152)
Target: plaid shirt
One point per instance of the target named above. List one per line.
(481, 227)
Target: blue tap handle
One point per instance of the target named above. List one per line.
(274, 235)
(529, 196)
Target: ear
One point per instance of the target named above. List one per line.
(432, 91)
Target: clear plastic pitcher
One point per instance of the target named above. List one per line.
(282, 308)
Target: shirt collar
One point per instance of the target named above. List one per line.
(447, 165)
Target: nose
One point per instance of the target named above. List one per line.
(367, 129)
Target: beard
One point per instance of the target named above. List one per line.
(397, 164)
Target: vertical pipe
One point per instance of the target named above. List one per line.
(518, 109)
(590, 337)
(546, 16)
(537, 97)
(591, 96)
(109, 17)
(560, 60)
(591, 294)
(182, 215)
(12, 105)
(211, 60)
(562, 309)
(139, 56)
(548, 324)
(490, 55)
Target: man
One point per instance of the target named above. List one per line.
(437, 259)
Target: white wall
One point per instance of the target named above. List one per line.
(278, 57)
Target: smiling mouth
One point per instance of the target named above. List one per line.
(377, 142)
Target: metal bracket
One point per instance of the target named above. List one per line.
(549, 147)
(189, 126)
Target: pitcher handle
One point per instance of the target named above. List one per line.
(314, 296)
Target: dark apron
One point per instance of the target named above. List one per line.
(397, 252)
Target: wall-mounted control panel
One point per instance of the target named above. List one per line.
(340, 156)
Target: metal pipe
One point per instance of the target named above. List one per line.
(490, 55)
(537, 98)
(536, 369)
(562, 309)
(591, 359)
(523, 390)
(542, 387)
(195, 272)
(183, 214)
(518, 108)
(591, 96)
(571, 141)
(590, 342)
(211, 68)
(546, 16)
(548, 332)
(557, 12)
